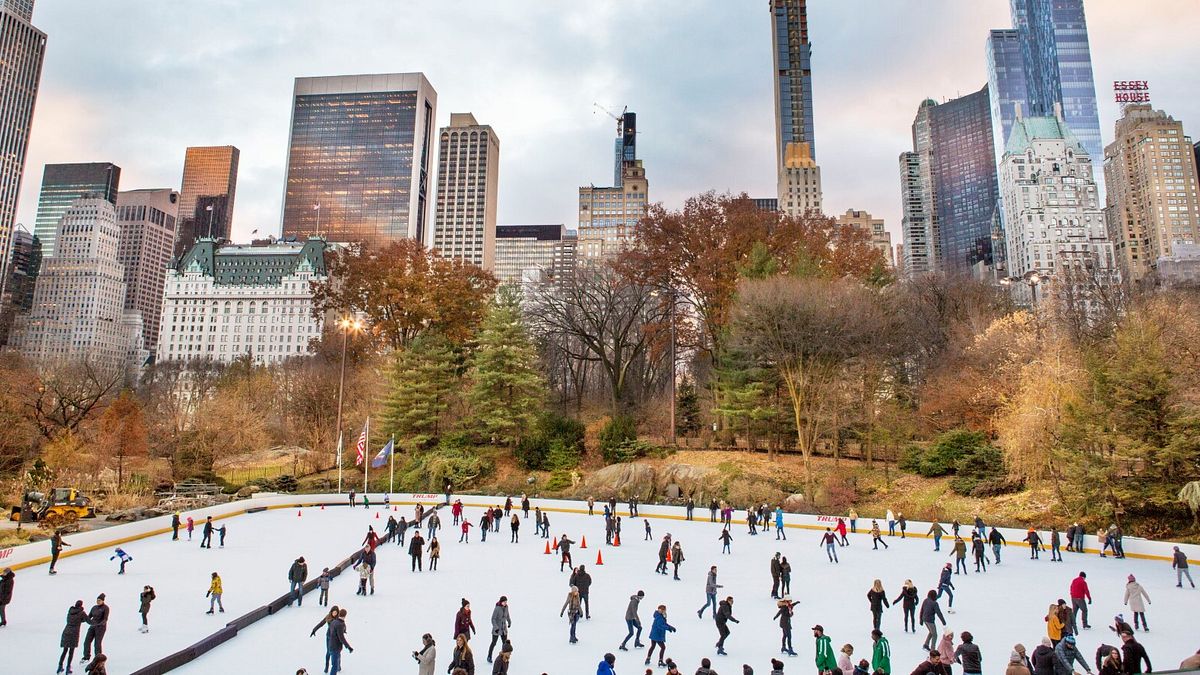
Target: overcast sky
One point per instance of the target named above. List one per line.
(137, 81)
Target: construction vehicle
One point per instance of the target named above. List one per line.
(61, 507)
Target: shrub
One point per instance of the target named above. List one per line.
(949, 450)
(911, 458)
(535, 450)
(561, 456)
(619, 431)
(445, 463)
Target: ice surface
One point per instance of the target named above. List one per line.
(1002, 607)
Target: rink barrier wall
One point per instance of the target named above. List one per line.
(231, 629)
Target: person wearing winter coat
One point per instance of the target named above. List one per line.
(710, 592)
(908, 603)
(207, 532)
(323, 584)
(501, 622)
(1043, 658)
(843, 658)
(658, 634)
(937, 531)
(415, 548)
(1111, 663)
(705, 668)
(776, 570)
(663, 549)
(215, 590)
(297, 575)
(776, 667)
(434, 523)
(606, 664)
(70, 635)
(364, 573)
(1016, 665)
(426, 657)
(676, 558)
(960, 555)
(968, 655)
(1055, 545)
(97, 619)
(462, 656)
(785, 576)
(1066, 655)
(929, 613)
(891, 521)
(147, 596)
(877, 536)
(946, 585)
(435, 554)
(632, 622)
(930, 666)
(1054, 624)
(191, 527)
(780, 534)
(1035, 543)
(57, 544)
(1179, 563)
(1079, 591)
(564, 548)
(125, 558)
(463, 625)
(583, 581)
(6, 591)
(726, 539)
(877, 599)
(571, 607)
(1133, 654)
(723, 616)
(401, 531)
(1136, 599)
(500, 667)
(335, 641)
(514, 524)
(945, 649)
(980, 553)
(881, 653)
(98, 667)
(784, 615)
(826, 660)
(1119, 626)
(829, 541)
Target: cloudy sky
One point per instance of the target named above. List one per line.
(136, 81)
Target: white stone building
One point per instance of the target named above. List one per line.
(79, 296)
(222, 302)
(1054, 225)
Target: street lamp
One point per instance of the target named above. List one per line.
(674, 302)
(1033, 278)
(347, 324)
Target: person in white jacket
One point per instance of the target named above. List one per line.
(1137, 599)
(426, 657)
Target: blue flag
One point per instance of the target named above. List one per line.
(382, 457)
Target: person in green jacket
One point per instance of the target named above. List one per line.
(881, 655)
(826, 659)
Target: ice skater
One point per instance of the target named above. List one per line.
(633, 622)
(583, 581)
(1179, 562)
(826, 659)
(1055, 545)
(207, 533)
(776, 572)
(434, 523)
(980, 553)
(221, 536)
(649, 535)
(76, 616)
(427, 655)
(564, 549)
(364, 572)
(710, 592)
(829, 541)
(725, 538)
(573, 609)
(175, 526)
(335, 641)
(435, 554)
(969, 656)
(297, 575)
(57, 544)
(463, 623)
(664, 550)
(124, 557)
(930, 613)
(658, 635)
(6, 592)
(997, 540)
(784, 613)
(501, 622)
(877, 599)
(785, 576)
(908, 603)
(1035, 543)
(416, 547)
(779, 533)
(959, 553)
(401, 531)
(723, 616)
(214, 594)
(191, 527)
(97, 619)
(146, 597)
(676, 557)
(514, 524)
(936, 531)
(1080, 591)
(1136, 599)
(323, 585)
(877, 536)
(946, 585)
(881, 652)
(840, 529)
(465, 537)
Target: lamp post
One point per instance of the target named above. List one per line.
(674, 300)
(347, 324)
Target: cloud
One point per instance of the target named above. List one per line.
(137, 81)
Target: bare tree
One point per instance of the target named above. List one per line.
(68, 393)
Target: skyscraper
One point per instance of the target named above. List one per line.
(62, 184)
(1055, 221)
(1049, 45)
(881, 239)
(608, 216)
(22, 48)
(625, 145)
(359, 158)
(1153, 207)
(468, 181)
(533, 252)
(207, 195)
(919, 227)
(78, 302)
(799, 177)
(963, 173)
(22, 275)
(147, 222)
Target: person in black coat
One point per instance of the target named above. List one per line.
(583, 581)
(415, 547)
(908, 602)
(932, 665)
(6, 589)
(97, 619)
(1043, 658)
(70, 635)
(1133, 654)
(723, 616)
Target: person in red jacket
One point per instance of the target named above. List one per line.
(1079, 591)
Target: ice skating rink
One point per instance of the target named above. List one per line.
(1002, 607)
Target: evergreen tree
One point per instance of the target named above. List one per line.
(423, 382)
(506, 388)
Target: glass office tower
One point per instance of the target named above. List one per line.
(964, 180)
(359, 158)
(793, 78)
(62, 184)
(209, 179)
(22, 48)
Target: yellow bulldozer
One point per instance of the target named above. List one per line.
(61, 506)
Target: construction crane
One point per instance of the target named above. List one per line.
(619, 118)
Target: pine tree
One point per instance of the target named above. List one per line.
(506, 388)
(423, 384)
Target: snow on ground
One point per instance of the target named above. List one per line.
(1002, 607)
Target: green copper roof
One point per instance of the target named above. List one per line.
(1026, 130)
(254, 265)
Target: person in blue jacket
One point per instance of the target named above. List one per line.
(658, 635)
(779, 533)
(606, 665)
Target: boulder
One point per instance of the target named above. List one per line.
(622, 481)
(795, 503)
(692, 480)
(247, 491)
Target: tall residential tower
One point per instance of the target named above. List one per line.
(360, 158)
(468, 181)
(799, 177)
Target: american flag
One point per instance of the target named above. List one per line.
(360, 448)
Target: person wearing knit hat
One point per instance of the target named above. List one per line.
(1136, 599)
(1043, 659)
(1016, 665)
(1119, 626)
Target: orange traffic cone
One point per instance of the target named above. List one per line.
(555, 543)
(599, 558)
(617, 540)
(297, 513)
(376, 515)
(322, 507)
(395, 508)
(583, 543)
(547, 548)
(668, 555)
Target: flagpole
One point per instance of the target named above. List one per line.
(366, 454)
(339, 461)
(392, 469)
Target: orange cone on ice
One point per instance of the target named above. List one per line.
(617, 540)
(547, 548)
(555, 546)
(376, 515)
(668, 555)
(599, 558)
(297, 513)
(583, 543)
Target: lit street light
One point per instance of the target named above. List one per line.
(347, 324)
